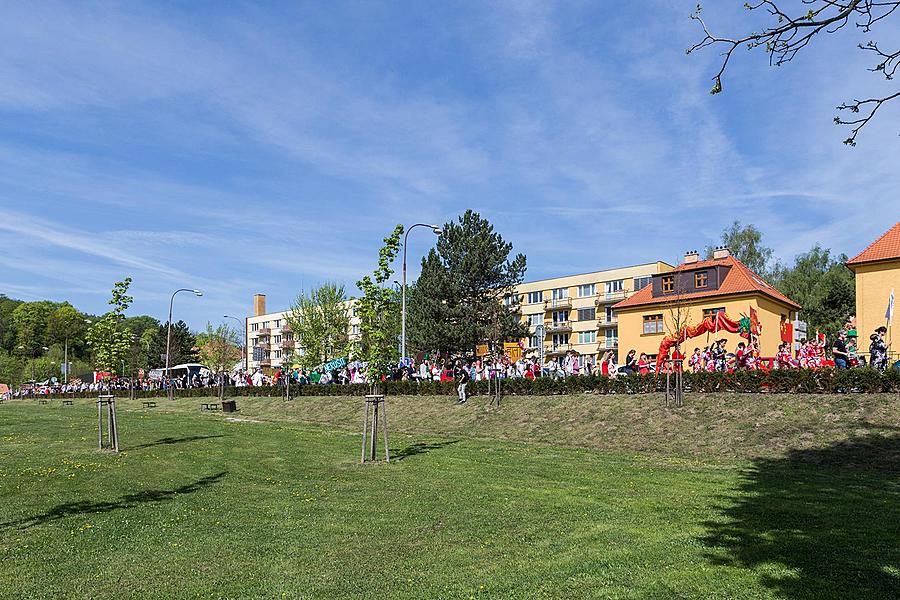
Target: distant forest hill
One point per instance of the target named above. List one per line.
(35, 335)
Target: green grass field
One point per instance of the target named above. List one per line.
(479, 502)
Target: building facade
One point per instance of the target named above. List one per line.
(695, 290)
(877, 271)
(576, 311)
(269, 337)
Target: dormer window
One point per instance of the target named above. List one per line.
(701, 279)
(668, 284)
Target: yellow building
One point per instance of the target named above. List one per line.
(576, 310)
(695, 290)
(877, 270)
(269, 337)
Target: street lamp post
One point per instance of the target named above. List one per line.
(197, 293)
(437, 231)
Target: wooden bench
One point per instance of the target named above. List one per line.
(148, 404)
(68, 403)
(209, 406)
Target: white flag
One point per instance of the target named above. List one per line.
(889, 313)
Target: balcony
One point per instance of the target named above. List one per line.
(264, 331)
(608, 344)
(287, 343)
(557, 303)
(607, 321)
(286, 328)
(607, 298)
(557, 349)
(266, 362)
(558, 327)
(263, 345)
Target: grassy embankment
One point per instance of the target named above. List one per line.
(553, 497)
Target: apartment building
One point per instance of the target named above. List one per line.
(576, 311)
(269, 337)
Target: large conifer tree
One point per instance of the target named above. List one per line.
(458, 300)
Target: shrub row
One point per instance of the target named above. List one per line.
(778, 381)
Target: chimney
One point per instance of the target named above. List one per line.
(721, 252)
(691, 256)
(259, 304)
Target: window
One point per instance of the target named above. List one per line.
(277, 353)
(612, 338)
(288, 336)
(355, 330)
(560, 293)
(534, 342)
(610, 314)
(277, 339)
(277, 323)
(641, 282)
(587, 337)
(535, 320)
(588, 289)
(535, 297)
(711, 312)
(653, 324)
(701, 279)
(560, 339)
(668, 284)
(265, 324)
(560, 316)
(254, 327)
(355, 312)
(587, 314)
(616, 286)
(510, 300)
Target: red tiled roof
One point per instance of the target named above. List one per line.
(884, 248)
(739, 280)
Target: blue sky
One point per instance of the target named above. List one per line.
(245, 147)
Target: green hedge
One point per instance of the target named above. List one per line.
(778, 381)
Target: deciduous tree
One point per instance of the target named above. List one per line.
(745, 244)
(823, 286)
(379, 311)
(319, 322)
(108, 337)
(791, 28)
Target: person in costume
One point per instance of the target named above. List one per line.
(878, 350)
(695, 361)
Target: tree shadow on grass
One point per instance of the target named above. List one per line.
(171, 440)
(127, 501)
(419, 448)
(818, 523)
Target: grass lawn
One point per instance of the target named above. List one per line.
(275, 505)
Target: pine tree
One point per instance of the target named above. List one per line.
(459, 300)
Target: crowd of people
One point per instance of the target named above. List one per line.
(810, 354)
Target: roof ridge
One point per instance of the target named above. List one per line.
(871, 246)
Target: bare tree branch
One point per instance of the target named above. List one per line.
(791, 33)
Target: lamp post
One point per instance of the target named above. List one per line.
(246, 358)
(437, 231)
(197, 293)
(66, 359)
